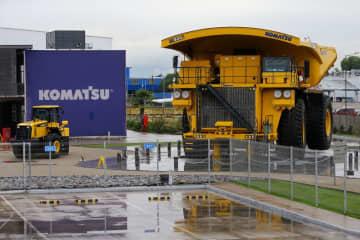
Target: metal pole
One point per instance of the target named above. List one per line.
(316, 180)
(209, 158)
(345, 176)
(269, 166)
(291, 173)
(157, 161)
(50, 174)
(24, 165)
(345, 89)
(249, 162)
(231, 155)
(29, 173)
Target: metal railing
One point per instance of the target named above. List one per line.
(309, 176)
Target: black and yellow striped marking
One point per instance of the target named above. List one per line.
(50, 202)
(196, 197)
(86, 201)
(160, 198)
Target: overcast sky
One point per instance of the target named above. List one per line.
(139, 25)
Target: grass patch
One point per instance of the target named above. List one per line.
(329, 199)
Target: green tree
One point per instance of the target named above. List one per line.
(141, 97)
(167, 80)
(349, 63)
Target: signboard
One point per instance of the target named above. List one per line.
(89, 85)
(50, 149)
(149, 146)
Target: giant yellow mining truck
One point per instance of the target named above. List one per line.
(251, 84)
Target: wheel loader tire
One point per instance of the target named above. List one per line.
(55, 140)
(319, 121)
(292, 127)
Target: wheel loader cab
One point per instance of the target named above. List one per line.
(50, 114)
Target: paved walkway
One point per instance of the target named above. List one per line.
(316, 213)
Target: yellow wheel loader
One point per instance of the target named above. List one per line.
(251, 84)
(46, 127)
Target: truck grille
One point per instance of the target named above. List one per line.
(23, 133)
(242, 99)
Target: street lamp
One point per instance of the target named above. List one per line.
(345, 77)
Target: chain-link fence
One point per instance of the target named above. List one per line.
(309, 176)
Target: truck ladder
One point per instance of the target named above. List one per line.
(229, 107)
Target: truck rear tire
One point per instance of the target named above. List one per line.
(319, 121)
(292, 127)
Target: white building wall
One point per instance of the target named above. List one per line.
(12, 36)
(15, 36)
(98, 43)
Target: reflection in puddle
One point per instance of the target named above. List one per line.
(186, 215)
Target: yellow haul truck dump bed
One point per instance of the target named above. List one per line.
(249, 83)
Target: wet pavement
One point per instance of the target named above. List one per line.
(119, 215)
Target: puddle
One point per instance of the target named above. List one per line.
(178, 215)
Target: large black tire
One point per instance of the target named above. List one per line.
(292, 127)
(55, 139)
(319, 121)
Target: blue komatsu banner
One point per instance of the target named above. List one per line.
(89, 85)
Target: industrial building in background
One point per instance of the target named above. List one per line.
(74, 67)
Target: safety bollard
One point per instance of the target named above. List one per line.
(137, 159)
(159, 151)
(118, 158)
(176, 164)
(147, 153)
(179, 148)
(169, 149)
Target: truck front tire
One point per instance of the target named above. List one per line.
(319, 121)
(292, 127)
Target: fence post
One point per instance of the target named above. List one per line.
(50, 173)
(332, 161)
(29, 167)
(158, 160)
(249, 162)
(316, 180)
(291, 173)
(209, 158)
(231, 151)
(24, 165)
(345, 176)
(269, 166)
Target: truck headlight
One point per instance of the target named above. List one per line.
(277, 93)
(287, 93)
(185, 94)
(177, 94)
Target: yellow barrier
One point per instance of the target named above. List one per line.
(161, 198)
(50, 202)
(86, 201)
(196, 197)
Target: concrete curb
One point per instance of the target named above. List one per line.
(280, 211)
(110, 189)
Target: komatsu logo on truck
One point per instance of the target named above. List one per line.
(279, 36)
(90, 93)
